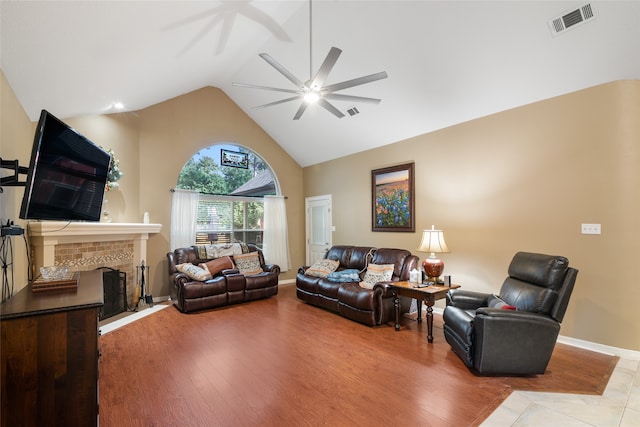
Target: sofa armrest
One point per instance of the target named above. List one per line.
(180, 278)
(229, 271)
(467, 300)
(303, 269)
(271, 268)
(384, 288)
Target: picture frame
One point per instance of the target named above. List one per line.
(234, 159)
(393, 198)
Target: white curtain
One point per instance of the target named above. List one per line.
(184, 210)
(276, 241)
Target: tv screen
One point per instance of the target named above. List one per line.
(67, 174)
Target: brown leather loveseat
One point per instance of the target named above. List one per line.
(227, 286)
(368, 306)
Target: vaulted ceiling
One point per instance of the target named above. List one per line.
(447, 61)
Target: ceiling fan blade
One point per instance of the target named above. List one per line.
(275, 64)
(282, 101)
(340, 97)
(326, 67)
(355, 82)
(329, 107)
(265, 88)
(301, 110)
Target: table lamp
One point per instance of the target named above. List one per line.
(433, 243)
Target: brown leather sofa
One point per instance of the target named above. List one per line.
(368, 306)
(227, 287)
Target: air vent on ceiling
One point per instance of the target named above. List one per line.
(571, 19)
(353, 111)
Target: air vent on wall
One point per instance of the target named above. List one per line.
(571, 19)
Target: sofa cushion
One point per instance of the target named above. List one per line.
(377, 273)
(215, 266)
(322, 268)
(194, 272)
(248, 263)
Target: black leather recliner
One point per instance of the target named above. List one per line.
(513, 333)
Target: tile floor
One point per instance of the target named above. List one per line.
(619, 405)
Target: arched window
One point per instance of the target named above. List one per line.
(231, 181)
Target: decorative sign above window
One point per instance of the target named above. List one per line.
(234, 159)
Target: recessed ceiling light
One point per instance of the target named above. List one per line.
(117, 106)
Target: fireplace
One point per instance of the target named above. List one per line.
(87, 246)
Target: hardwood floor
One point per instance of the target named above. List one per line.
(280, 362)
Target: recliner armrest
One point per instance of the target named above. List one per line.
(513, 342)
(467, 300)
(498, 313)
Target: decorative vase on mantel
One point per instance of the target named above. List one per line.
(106, 213)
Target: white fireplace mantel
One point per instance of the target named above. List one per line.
(45, 235)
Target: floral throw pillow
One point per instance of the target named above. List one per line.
(322, 268)
(248, 263)
(193, 271)
(377, 273)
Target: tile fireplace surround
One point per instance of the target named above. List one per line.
(88, 245)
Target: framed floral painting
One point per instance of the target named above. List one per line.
(392, 195)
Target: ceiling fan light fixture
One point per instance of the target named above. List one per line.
(311, 97)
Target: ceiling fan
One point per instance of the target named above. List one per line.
(314, 90)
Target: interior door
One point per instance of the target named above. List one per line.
(318, 224)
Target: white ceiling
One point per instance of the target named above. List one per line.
(447, 61)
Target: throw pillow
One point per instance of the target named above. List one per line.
(248, 263)
(215, 266)
(193, 271)
(377, 273)
(497, 302)
(322, 268)
(345, 276)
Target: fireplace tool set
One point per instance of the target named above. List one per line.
(140, 292)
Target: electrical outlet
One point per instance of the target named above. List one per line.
(590, 228)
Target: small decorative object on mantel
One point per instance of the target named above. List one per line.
(55, 278)
(114, 174)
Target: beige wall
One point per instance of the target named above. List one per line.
(523, 179)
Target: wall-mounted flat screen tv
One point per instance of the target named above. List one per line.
(67, 174)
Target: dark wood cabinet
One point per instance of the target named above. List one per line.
(49, 353)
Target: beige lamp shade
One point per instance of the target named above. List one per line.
(433, 242)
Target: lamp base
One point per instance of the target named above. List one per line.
(433, 268)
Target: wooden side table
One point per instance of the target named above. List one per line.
(429, 294)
